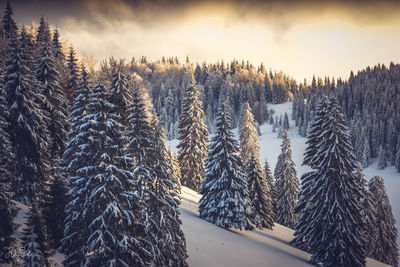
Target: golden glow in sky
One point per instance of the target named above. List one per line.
(300, 40)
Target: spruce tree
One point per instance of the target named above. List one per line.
(34, 240)
(27, 134)
(287, 186)
(397, 159)
(272, 186)
(225, 201)
(332, 222)
(6, 176)
(193, 139)
(72, 76)
(120, 95)
(104, 197)
(368, 211)
(75, 159)
(262, 215)
(8, 24)
(176, 170)
(158, 187)
(249, 145)
(385, 247)
(366, 156)
(382, 162)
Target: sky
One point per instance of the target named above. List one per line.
(300, 38)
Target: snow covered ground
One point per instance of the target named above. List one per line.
(211, 246)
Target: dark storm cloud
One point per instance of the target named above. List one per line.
(156, 11)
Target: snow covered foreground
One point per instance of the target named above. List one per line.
(209, 245)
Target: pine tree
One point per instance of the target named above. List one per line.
(75, 159)
(225, 201)
(164, 204)
(368, 211)
(286, 122)
(193, 139)
(332, 223)
(262, 215)
(104, 196)
(272, 186)
(287, 186)
(249, 145)
(315, 135)
(26, 131)
(6, 176)
(120, 95)
(157, 186)
(8, 24)
(43, 33)
(34, 240)
(366, 157)
(382, 162)
(176, 170)
(72, 76)
(385, 247)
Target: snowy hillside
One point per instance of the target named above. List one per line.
(211, 246)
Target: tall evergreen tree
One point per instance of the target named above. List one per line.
(368, 211)
(105, 195)
(34, 240)
(249, 145)
(287, 186)
(6, 176)
(75, 159)
(176, 169)
(397, 159)
(385, 247)
(332, 223)
(27, 134)
(262, 215)
(272, 186)
(8, 24)
(43, 33)
(193, 139)
(382, 161)
(120, 95)
(225, 201)
(158, 188)
(72, 76)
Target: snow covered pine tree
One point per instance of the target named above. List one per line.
(193, 138)
(225, 201)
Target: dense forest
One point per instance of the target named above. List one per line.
(85, 151)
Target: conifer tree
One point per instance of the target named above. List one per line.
(382, 162)
(158, 188)
(43, 33)
(193, 139)
(287, 186)
(366, 157)
(120, 95)
(6, 176)
(104, 195)
(272, 186)
(75, 159)
(262, 215)
(385, 247)
(8, 24)
(225, 201)
(286, 122)
(332, 223)
(176, 170)
(26, 131)
(368, 211)
(72, 76)
(34, 240)
(249, 145)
